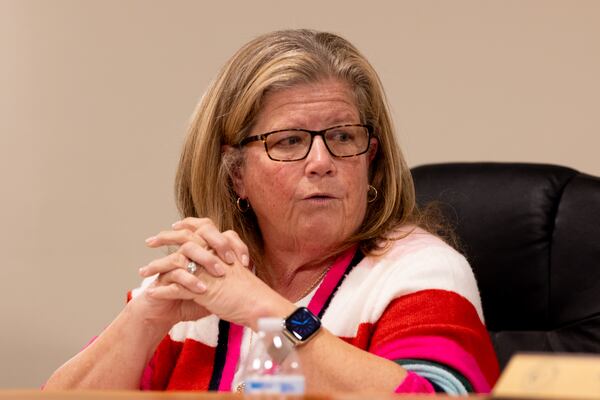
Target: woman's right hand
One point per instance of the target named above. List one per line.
(219, 252)
(173, 278)
(172, 275)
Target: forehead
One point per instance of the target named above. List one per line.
(312, 106)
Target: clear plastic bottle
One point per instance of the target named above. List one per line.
(272, 365)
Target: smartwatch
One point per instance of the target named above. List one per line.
(301, 325)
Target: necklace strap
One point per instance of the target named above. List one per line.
(313, 285)
(333, 279)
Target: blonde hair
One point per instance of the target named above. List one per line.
(229, 107)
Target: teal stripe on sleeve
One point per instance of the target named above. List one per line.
(445, 378)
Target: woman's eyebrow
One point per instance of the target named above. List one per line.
(342, 119)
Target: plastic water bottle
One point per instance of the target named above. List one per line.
(272, 365)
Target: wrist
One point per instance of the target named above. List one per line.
(153, 327)
(131, 332)
(277, 307)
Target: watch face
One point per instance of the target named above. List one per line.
(302, 324)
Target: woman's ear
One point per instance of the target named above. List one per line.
(232, 156)
(373, 146)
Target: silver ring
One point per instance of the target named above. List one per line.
(192, 267)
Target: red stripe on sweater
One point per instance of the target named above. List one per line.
(420, 314)
(181, 366)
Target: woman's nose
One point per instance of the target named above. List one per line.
(319, 159)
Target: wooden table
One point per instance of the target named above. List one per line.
(137, 395)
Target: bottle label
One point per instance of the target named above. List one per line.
(276, 384)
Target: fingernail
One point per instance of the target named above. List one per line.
(245, 260)
(201, 286)
(142, 270)
(219, 269)
(150, 239)
(175, 224)
(229, 257)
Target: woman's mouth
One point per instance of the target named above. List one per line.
(320, 198)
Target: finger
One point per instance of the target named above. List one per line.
(218, 242)
(170, 292)
(164, 264)
(183, 279)
(174, 238)
(239, 247)
(211, 262)
(228, 244)
(191, 223)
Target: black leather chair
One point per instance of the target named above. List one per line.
(532, 235)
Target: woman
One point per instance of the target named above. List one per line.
(295, 194)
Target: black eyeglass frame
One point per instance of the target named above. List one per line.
(263, 137)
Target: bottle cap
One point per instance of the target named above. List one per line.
(270, 324)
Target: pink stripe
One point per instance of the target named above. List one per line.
(414, 383)
(331, 280)
(146, 381)
(234, 343)
(437, 349)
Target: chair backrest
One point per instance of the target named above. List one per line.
(532, 235)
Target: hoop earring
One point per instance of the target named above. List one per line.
(242, 204)
(371, 194)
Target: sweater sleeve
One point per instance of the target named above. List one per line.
(437, 335)
(432, 322)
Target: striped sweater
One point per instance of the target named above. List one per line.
(417, 304)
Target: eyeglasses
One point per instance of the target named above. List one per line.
(295, 144)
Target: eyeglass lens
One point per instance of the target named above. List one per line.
(295, 144)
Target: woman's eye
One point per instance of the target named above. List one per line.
(341, 137)
(288, 141)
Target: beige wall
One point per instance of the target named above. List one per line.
(95, 95)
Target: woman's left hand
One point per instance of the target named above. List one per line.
(238, 296)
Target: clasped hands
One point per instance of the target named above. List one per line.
(223, 285)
